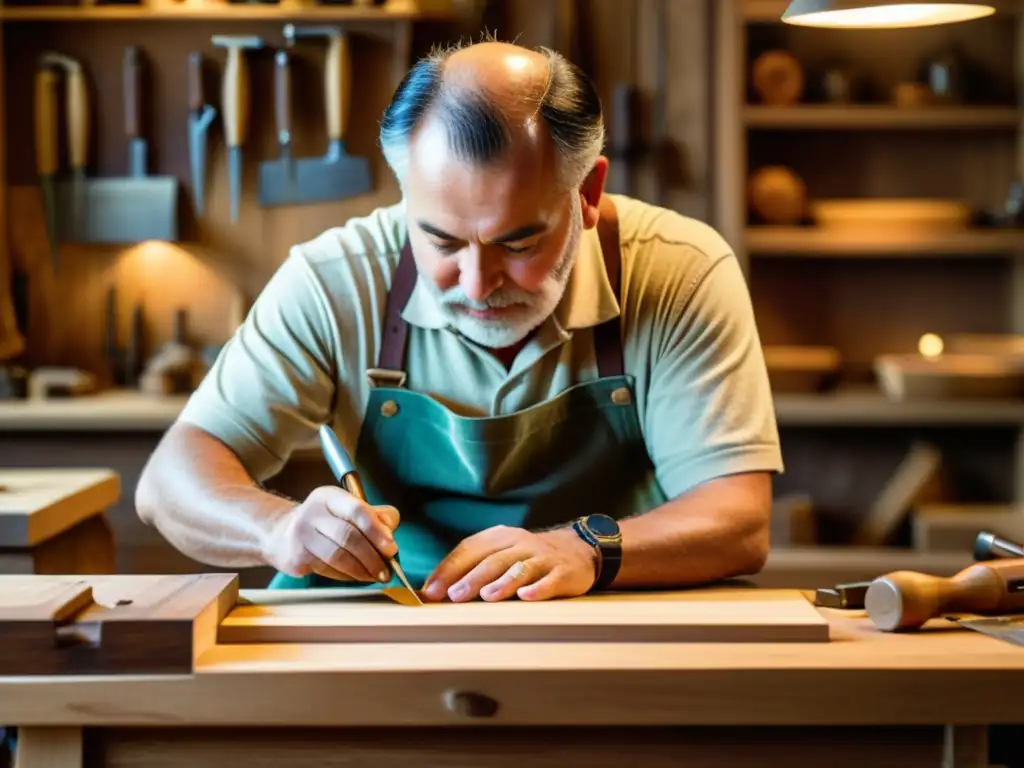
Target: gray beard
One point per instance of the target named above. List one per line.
(532, 310)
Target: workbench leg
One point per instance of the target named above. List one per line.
(965, 746)
(41, 747)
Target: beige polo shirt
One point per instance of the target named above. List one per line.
(300, 358)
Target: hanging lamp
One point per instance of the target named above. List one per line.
(881, 14)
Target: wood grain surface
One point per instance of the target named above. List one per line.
(350, 616)
(67, 625)
(736, 747)
(38, 504)
(941, 674)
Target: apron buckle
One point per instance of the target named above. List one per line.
(382, 377)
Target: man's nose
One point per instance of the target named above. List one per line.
(477, 277)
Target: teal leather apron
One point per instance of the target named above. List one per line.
(451, 476)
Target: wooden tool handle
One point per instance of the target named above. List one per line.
(282, 97)
(236, 97)
(906, 599)
(195, 81)
(338, 86)
(78, 119)
(132, 92)
(46, 121)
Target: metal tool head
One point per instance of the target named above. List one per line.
(278, 182)
(121, 210)
(238, 41)
(293, 33)
(333, 177)
(63, 61)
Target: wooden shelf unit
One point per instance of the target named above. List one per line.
(869, 408)
(220, 10)
(875, 291)
(812, 242)
(881, 117)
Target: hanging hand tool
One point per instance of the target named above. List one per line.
(277, 177)
(141, 206)
(337, 174)
(47, 150)
(70, 207)
(235, 107)
(906, 599)
(200, 116)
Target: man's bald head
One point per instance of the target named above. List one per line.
(495, 99)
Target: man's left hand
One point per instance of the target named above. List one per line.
(503, 562)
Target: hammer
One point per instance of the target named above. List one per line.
(235, 97)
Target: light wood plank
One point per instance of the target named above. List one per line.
(361, 616)
(41, 747)
(38, 504)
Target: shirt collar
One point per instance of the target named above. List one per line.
(588, 299)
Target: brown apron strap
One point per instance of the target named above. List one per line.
(391, 362)
(607, 335)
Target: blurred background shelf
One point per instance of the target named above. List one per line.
(810, 242)
(881, 117)
(287, 10)
(870, 408)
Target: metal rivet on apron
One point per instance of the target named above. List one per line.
(389, 409)
(620, 396)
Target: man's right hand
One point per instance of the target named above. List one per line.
(334, 534)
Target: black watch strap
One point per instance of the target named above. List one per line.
(609, 551)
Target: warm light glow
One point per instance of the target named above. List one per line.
(930, 345)
(851, 15)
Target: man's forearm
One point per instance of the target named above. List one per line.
(201, 499)
(717, 531)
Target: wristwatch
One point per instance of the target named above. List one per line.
(602, 533)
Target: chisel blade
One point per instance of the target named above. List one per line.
(401, 576)
(198, 125)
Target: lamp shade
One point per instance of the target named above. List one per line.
(880, 14)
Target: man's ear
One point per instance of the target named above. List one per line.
(591, 191)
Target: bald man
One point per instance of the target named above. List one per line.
(547, 390)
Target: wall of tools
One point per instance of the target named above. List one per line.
(151, 168)
(181, 163)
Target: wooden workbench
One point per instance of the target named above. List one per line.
(503, 704)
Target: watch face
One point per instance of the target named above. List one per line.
(602, 526)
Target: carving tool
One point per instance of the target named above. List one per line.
(277, 177)
(235, 95)
(200, 116)
(345, 472)
(336, 175)
(906, 599)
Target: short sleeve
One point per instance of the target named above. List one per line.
(273, 383)
(710, 411)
